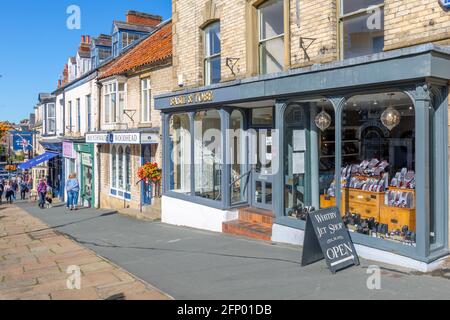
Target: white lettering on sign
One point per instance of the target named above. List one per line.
(339, 251)
(97, 138)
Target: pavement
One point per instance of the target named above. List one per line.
(189, 264)
(39, 263)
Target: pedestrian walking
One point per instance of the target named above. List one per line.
(24, 189)
(73, 190)
(9, 193)
(42, 190)
(15, 188)
(2, 189)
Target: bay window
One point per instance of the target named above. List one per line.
(212, 53)
(114, 102)
(180, 155)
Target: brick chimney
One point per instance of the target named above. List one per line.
(143, 18)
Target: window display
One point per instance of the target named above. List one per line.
(180, 153)
(208, 155)
(377, 178)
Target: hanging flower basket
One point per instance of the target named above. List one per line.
(150, 173)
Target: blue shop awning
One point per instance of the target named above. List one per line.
(38, 160)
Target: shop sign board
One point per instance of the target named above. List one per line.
(126, 138)
(101, 138)
(327, 237)
(68, 150)
(149, 138)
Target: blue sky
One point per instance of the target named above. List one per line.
(36, 43)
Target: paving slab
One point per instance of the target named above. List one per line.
(36, 260)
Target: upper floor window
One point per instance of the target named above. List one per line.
(115, 44)
(114, 102)
(146, 100)
(128, 38)
(271, 36)
(51, 118)
(212, 53)
(70, 117)
(78, 115)
(89, 112)
(362, 27)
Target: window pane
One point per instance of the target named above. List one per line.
(180, 160)
(272, 56)
(271, 19)
(128, 169)
(212, 37)
(262, 116)
(114, 168)
(349, 6)
(208, 155)
(113, 107)
(237, 152)
(120, 168)
(213, 71)
(107, 109)
(121, 107)
(361, 37)
(378, 173)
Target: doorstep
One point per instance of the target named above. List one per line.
(251, 223)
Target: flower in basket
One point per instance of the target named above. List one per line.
(150, 172)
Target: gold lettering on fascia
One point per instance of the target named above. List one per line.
(200, 97)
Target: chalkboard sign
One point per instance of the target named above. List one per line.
(326, 236)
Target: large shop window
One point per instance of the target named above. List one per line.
(309, 155)
(114, 102)
(208, 155)
(121, 172)
(377, 178)
(239, 176)
(212, 53)
(180, 153)
(362, 27)
(271, 36)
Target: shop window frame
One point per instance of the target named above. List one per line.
(424, 251)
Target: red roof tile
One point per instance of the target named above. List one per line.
(156, 47)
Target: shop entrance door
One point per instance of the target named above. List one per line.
(261, 169)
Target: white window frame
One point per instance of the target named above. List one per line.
(50, 119)
(262, 41)
(88, 101)
(210, 57)
(146, 87)
(78, 113)
(114, 115)
(117, 190)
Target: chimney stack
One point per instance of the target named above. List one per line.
(143, 18)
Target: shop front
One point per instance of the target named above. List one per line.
(53, 171)
(121, 154)
(85, 154)
(368, 135)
